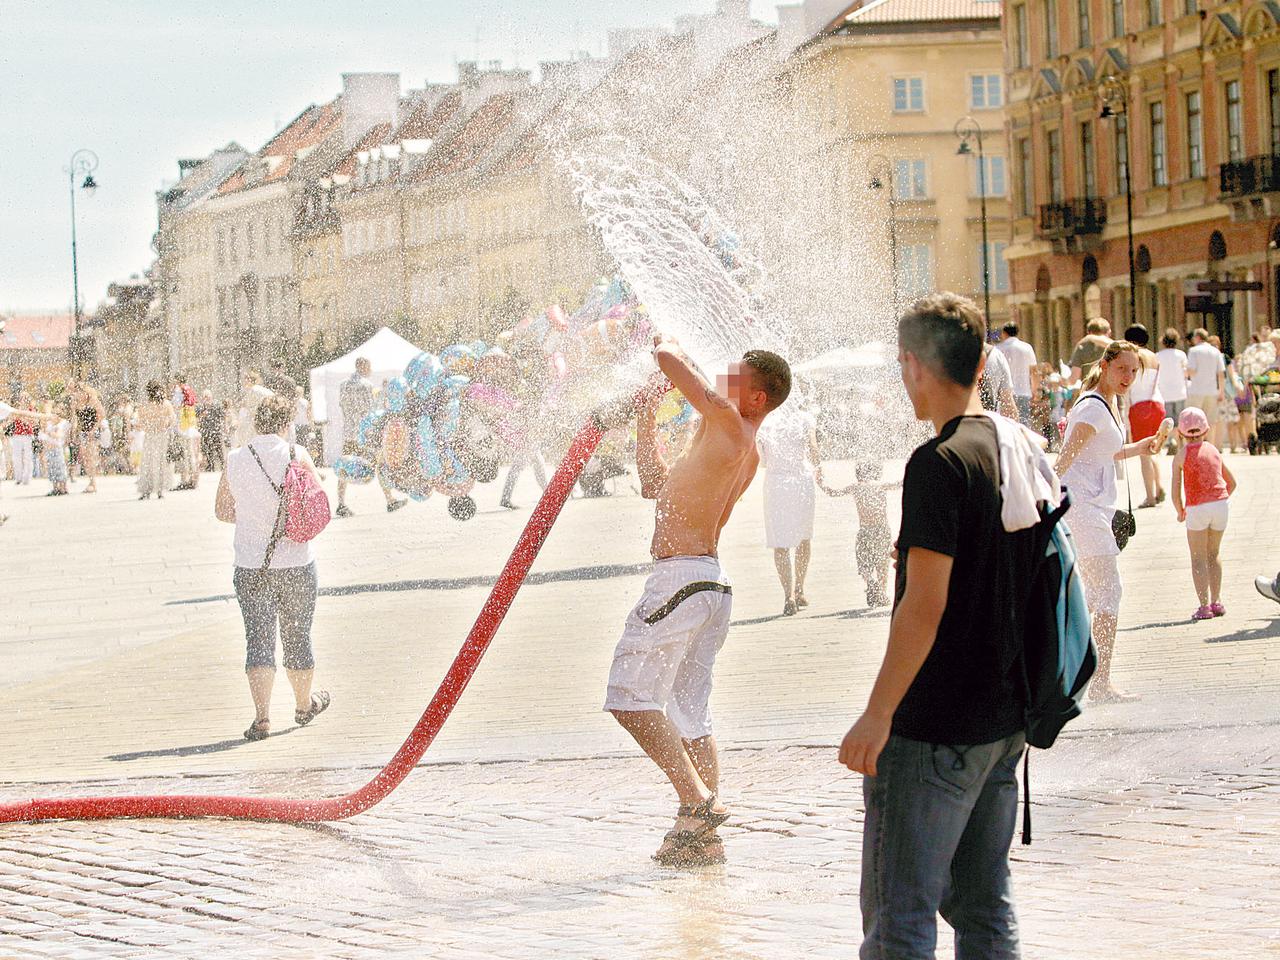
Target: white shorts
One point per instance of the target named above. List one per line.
(668, 647)
(1209, 516)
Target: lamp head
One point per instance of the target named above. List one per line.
(90, 186)
(875, 183)
(963, 150)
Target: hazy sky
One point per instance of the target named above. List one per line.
(144, 82)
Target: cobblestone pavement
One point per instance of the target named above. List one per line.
(528, 830)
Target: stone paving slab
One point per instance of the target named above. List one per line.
(550, 858)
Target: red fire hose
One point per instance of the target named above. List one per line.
(420, 737)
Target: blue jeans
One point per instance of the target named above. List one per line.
(939, 823)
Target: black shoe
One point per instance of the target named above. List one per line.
(394, 505)
(343, 511)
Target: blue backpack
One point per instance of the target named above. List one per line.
(1059, 656)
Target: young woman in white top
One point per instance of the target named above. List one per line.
(789, 455)
(279, 595)
(1091, 447)
(1172, 380)
(1146, 410)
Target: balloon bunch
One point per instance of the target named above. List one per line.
(424, 438)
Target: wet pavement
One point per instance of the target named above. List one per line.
(526, 833)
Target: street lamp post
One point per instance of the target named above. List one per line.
(1114, 92)
(82, 164)
(968, 129)
(1271, 277)
(882, 177)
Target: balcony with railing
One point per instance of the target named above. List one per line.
(1243, 178)
(1078, 217)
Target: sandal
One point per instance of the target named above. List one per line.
(706, 813)
(690, 848)
(258, 730)
(801, 602)
(319, 704)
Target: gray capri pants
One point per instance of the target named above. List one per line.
(285, 596)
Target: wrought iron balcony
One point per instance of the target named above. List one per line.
(1079, 217)
(1241, 178)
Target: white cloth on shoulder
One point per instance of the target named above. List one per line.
(1026, 475)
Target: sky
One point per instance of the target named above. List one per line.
(143, 82)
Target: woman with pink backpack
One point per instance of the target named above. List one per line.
(270, 491)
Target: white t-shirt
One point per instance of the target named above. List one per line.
(1173, 374)
(257, 503)
(1146, 387)
(1091, 478)
(1022, 357)
(5, 410)
(1205, 363)
(301, 412)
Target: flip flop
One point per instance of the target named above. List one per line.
(319, 704)
(258, 730)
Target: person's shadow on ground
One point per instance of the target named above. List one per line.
(218, 746)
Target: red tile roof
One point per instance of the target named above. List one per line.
(306, 130)
(374, 138)
(479, 133)
(36, 332)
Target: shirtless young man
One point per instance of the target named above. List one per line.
(660, 682)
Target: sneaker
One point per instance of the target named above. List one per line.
(343, 511)
(1218, 609)
(1267, 587)
(394, 505)
(508, 505)
(1203, 613)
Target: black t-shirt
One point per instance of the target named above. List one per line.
(970, 688)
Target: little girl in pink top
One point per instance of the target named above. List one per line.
(1198, 468)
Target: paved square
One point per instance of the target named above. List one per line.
(527, 830)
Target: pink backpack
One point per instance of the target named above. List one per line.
(304, 506)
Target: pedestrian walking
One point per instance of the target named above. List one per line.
(253, 394)
(1171, 380)
(355, 402)
(54, 434)
(1089, 348)
(1021, 357)
(211, 424)
(275, 578)
(1146, 411)
(944, 728)
(1093, 444)
(1206, 379)
(186, 433)
(87, 417)
(22, 435)
(301, 418)
(156, 419)
(1204, 480)
(792, 465)
(995, 384)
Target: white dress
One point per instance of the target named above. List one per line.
(789, 493)
(1091, 478)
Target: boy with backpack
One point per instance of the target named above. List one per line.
(948, 717)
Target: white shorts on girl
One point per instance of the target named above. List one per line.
(1209, 516)
(668, 647)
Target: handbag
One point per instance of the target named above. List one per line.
(1123, 523)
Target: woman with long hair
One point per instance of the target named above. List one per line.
(1093, 444)
(87, 417)
(156, 420)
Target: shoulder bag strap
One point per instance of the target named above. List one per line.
(1123, 436)
(277, 530)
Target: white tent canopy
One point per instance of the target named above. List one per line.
(388, 354)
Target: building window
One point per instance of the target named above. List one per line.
(1053, 148)
(1153, 13)
(1190, 7)
(1088, 160)
(1195, 137)
(1022, 45)
(1026, 181)
(915, 274)
(992, 182)
(1273, 108)
(232, 253)
(218, 246)
(909, 180)
(1083, 33)
(997, 266)
(1235, 122)
(1122, 152)
(986, 91)
(908, 94)
(1117, 18)
(249, 245)
(1159, 175)
(266, 238)
(1050, 28)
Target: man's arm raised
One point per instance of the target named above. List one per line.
(686, 378)
(649, 463)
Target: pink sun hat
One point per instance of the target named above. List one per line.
(1192, 422)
